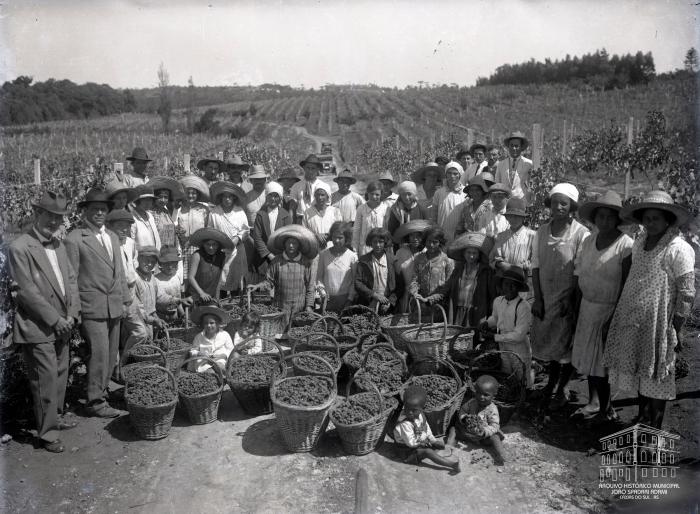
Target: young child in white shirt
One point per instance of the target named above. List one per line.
(413, 431)
(212, 341)
(509, 323)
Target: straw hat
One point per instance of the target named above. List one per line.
(288, 174)
(500, 188)
(168, 254)
(258, 171)
(609, 200)
(95, 195)
(516, 207)
(235, 163)
(143, 191)
(346, 174)
(172, 185)
(219, 188)
(311, 159)
(139, 154)
(476, 181)
(307, 240)
(488, 178)
(481, 242)
(411, 227)
(202, 163)
(514, 274)
(147, 251)
(119, 215)
(208, 234)
(517, 135)
(114, 187)
(386, 175)
(196, 183)
(54, 203)
(419, 174)
(655, 200)
(213, 310)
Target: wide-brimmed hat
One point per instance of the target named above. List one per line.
(213, 310)
(208, 234)
(346, 174)
(119, 215)
(147, 251)
(196, 183)
(311, 159)
(476, 181)
(218, 188)
(258, 171)
(411, 227)
(419, 174)
(202, 163)
(54, 203)
(143, 191)
(115, 187)
(481, 242)
(476, 146)
(517, 135)
(172, 185)
(308, 245)
(386, 175)
(95, 195)
(235, 163)
(500, 188)
(514, 274)
(516, 207)
(168, 254)
(138, 154)
(288, 174)
(657, 199)
(609, 200)
(488, 178)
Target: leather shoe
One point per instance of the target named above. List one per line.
(53, 446)
(103, 411)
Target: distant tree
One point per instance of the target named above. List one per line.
(207, 123)
(189, 111)
(165, 105)
(690, 63)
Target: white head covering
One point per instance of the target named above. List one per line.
(407, 186)
(274, 187)
(566, 189)
(324, 186)
(455, 165)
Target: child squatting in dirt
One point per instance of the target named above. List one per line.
(413, 431)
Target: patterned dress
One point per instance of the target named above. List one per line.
(233, 224)
(430, 274)
(554, 257)
(294, 283)
(166, 227)
(640, 347)
(599, 275)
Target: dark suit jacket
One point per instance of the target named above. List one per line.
(262, 231)
(39, 300)
(419, 212)
(364, 278)
(101, 280)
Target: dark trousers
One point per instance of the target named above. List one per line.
(47, 369)
(102, 336)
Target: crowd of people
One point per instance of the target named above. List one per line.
(578, 293)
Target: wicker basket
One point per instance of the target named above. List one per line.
(368, 371)
(203, 408)
(254, 399)
(506, 407)
(302, 427)
(436, 339)
(324, 341)
(126, 371)
(299, 321)
(301, 371)
(353, 358)
(175, 358)
(439, 418)
(394, 325)
(364, 437)
(153, 421)
(271, 324)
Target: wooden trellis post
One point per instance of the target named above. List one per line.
(537, 145)
(186, 159)
(37, 172)
(563, 139)
(630, 139)
(470, 137)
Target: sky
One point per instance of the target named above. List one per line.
(312, 43)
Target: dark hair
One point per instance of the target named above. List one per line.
(573, 204)
(375, 185)
(415, 394)
(251, 318)
(343, 228)
(441, 160)
(435, 233)
(378, 232)
(594, 212)
(668, 215)
(461, 153)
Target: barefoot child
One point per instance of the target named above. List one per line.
(207, 264)
(413, 431)
(249, 327)
(212, 341)
(489, 430)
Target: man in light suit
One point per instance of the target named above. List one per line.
(48, 306)
(104, 295)
(514, 171)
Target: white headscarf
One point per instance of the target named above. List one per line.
(455, 165)
(566, 189)
(274, 187)
(407, 186)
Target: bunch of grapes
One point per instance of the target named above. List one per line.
(305, 391)
(193, 384)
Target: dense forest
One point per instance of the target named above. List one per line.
(598, 70)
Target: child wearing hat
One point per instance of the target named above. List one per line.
(409, 237)
(369, 215)
(509, 323)
(375, 281)
(386, 179)
(292, 273)
(169, 302)
(346, 201)
(212, 341)
(193, 215)
(207, 264)
(320, 216)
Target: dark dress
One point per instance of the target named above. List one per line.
(209, 272)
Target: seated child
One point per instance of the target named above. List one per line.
(482, 406)
(169, 302)
(413, 431)
(212, 341)
(249, 327)
(509, 324)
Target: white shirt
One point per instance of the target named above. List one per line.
(102, 238)
(217, 349)
(446, 202)
(413, 433)
(515, 173)
(493, 222)
(297, 193)
(366, 219)
(272, 214)
(144, 230)
(512, 319)
(53, 260)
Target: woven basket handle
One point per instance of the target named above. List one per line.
(217, 371)
(491, 352)
(349, 311)
(361, 339)
(375, 389)
(453, 340)
(374, 347)
(153, 347)
(411, 301)
(328, 365)
(444, 324)
(335, 320)
(446, 364)
(326, 336)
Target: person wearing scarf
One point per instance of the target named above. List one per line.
(406, 207)
(448, 198)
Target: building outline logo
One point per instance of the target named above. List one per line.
(637, 453)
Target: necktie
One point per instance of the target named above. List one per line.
(307, 193)
(51, 243)
(104, 244)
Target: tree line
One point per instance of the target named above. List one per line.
(598, 70)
